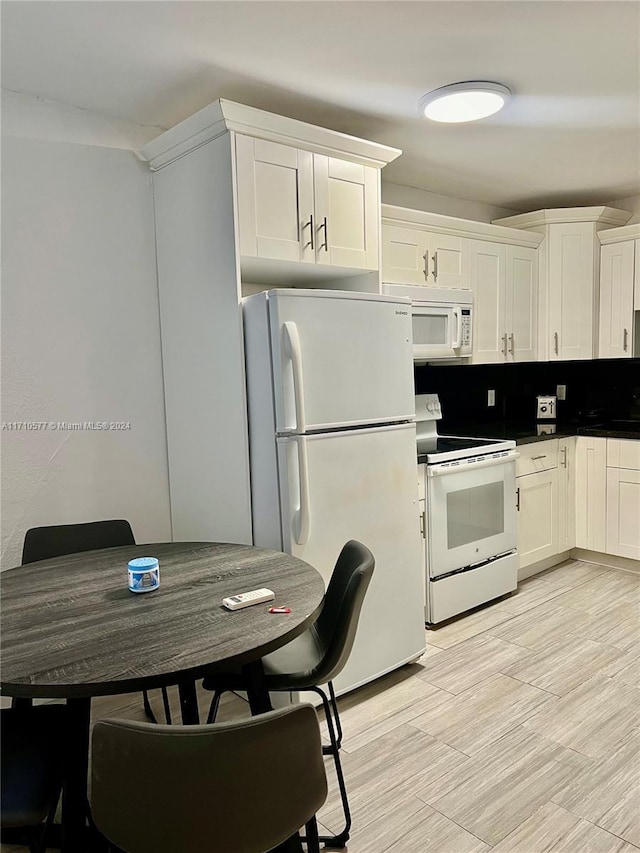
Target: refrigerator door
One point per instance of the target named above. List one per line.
(361, 484)
(339, 359)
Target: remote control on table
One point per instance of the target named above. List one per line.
(246, 599)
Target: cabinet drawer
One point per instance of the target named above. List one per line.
(623, 453)
(538, 456)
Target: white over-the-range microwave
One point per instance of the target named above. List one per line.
(442, 321)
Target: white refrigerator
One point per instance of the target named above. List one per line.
(333, 452)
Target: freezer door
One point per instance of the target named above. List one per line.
(361, 485)
(339, 359)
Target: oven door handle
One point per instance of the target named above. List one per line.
(443, 470)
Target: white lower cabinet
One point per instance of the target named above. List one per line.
(591, 491)
(538, 517)
(545, 498)
(537, 501)
(623, 498)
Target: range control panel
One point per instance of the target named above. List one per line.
(465, 328)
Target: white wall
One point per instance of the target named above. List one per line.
(436, 203)
(80, 340)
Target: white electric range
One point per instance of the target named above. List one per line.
(469, 490)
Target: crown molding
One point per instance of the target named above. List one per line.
(620, 235)
(601, 215)
(441, 224)
(222, 116)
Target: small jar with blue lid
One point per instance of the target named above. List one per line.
(144, 574)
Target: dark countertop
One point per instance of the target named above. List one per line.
(525, 432)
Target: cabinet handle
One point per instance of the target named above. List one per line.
(544, 456)
(625, 339)
(434, 258)
(426, 265)
(504, 345)
(518, 499)
(555, 343)
(564, 456)
(325, 245)
(512, 349)
(423, 524)
(309, 225)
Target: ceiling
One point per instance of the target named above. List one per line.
(569, 136)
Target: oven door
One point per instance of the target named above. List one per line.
(471, 510)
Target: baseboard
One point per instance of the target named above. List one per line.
(610, 560)
(541, 565)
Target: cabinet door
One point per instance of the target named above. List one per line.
(275, 200)
(566, 494)
(571, 290)
(537, 501)
(488, 281)
(522, 302)
(448, 261)
(346, 210)
(591, 485)
(616, 300)
(623, 513)
(404, 255)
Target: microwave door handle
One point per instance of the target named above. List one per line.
(294, 352)
(457, 341)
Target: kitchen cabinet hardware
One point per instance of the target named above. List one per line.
(325, 245)
(556, 347)
(563, 450)
(309, 225)
(426, 265)
(512, 348)
(504, 345)
(625, 339)
(434, 259)
(518, 499)
(541, 456)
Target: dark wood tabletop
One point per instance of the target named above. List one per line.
(71, 628)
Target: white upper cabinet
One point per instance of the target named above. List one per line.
(435, 251)
(619, 274)
(275, 200)
(295, 205)
(504, 281)
(569, 276)
(417, 256)
(307, 199)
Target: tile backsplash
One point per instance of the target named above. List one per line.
(599, 389)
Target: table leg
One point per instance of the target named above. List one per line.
(188, 703)
(76, 766)
(257, 693)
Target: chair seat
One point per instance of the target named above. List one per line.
(292, 667)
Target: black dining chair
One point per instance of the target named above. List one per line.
(45, 543)
(31, 740)
(246, 786)
(317, 656)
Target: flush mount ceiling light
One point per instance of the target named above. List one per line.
(468, 101)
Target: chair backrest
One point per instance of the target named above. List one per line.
(32, 753)
(244, 786)
(337, 623)
(44, 543)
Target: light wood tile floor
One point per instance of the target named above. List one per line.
(518, 731)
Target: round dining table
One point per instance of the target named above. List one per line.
(71, 629)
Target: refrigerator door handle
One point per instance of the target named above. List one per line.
(301, 516)
(294, 352)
